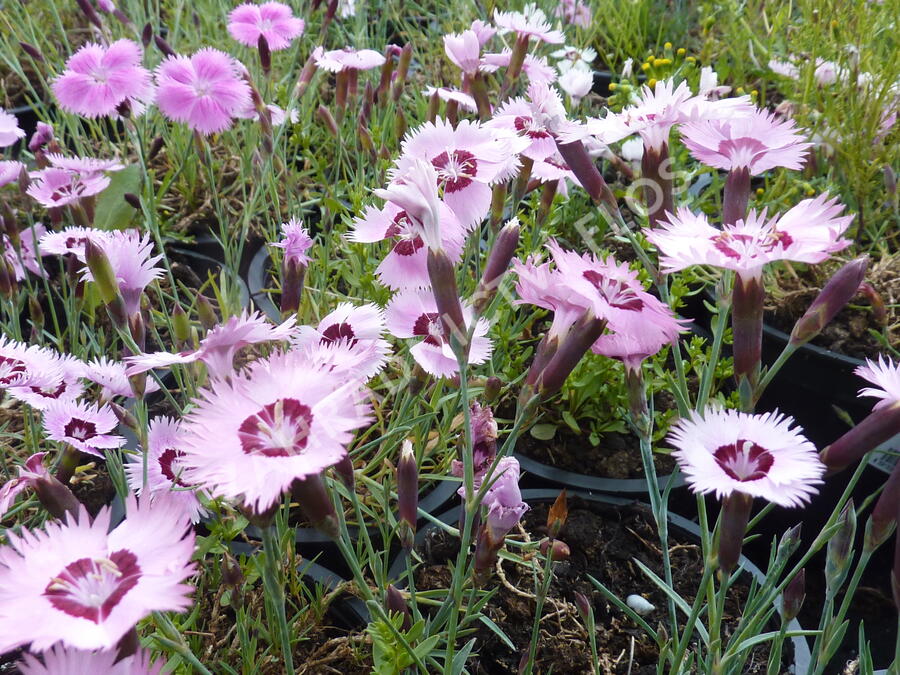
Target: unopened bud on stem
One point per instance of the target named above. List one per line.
(840, 548)
(498, 261)
(442, 274)
(833, 297)
(735, 516)
(407, 494)
(793, 596)
(879, 426)
(316, 504)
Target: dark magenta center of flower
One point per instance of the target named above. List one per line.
(80, 429)
(744, 460)
(728, 243)
(280, 429)
(402, 228)
(456, 169)
(429, 325)
(11, 369)
(75, 242)
(526, 127)
(617, 293)
(339, 331)
(91, 588)
(51, 392)
(65, 193)
(169, 457)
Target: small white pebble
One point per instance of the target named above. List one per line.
(639, 604)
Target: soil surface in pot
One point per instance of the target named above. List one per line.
(604, 540)
(850, 332)
(324, 643)
(616, 456)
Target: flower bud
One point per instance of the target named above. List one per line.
(400, 125)
(315, 502)
(56, 497)
(344, 469)
(32, 51)
(831, 299)
(365, 109)
(879, 426)
(181, 326)
(578, 159)
(207, 314)
(575, 345)
(558, 549)
(324, 114)
(265, 54)
(306, 75)
(132, 200)
(734, 518)
(35, 312)
(155, 146)
(396, 604)
(163, 46)
(793, 596)
(884, 516)
(876, 301)
(89, 13)
(492, 387)
(387, 69)
(442, 274)
(105, 280)
(434, 105)
(124, 416)
(583, 605)
(407, 494)
(293, 273)
(484, 437)
(838, 556)
(146, 34)
(402, 69)
(498, 261)
(233, 579)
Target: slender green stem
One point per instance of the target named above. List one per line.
(772, 371)
(471, 507)
(706, 379)
(275, 591)
(543, 590)
(173, 639)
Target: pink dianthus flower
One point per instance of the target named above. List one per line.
(98, 79)
(204, 91)
(271, 20)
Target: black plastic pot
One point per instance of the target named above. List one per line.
(258, 281)
(802, 656)
(203, 260)
(602, 80)
(311, 542)
(594, 484)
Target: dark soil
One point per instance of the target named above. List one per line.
(850, 333)
(604, 540)
(333, 642)
(93, 487)
(616, 456)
